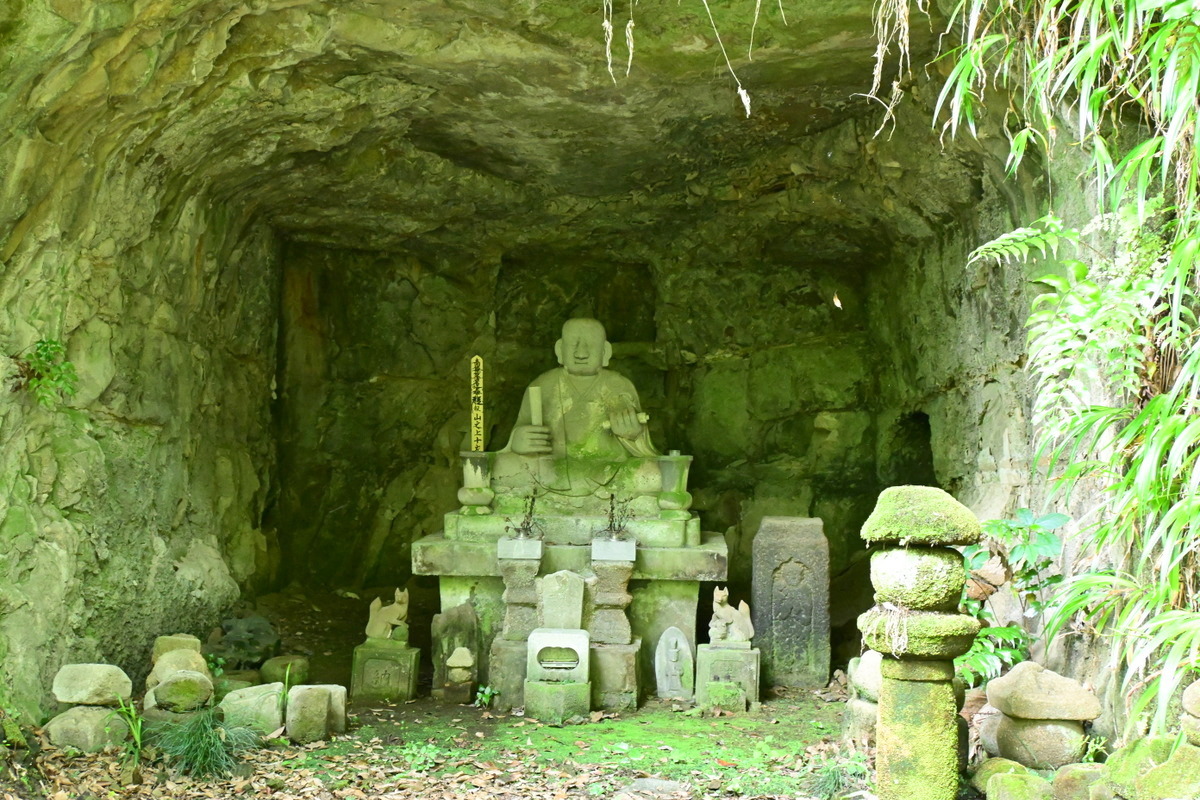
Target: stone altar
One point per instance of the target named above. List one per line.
(385, 667)
(578, 487)
(727, 668)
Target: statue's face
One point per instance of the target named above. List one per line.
(582, 348)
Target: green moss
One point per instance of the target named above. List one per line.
(917, 741)
(1127, 764)
(918, 634)
(921, 515)
(1178, 777)
(1014, 786)
(995, 766)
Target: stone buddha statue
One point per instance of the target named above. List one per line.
(584, 417)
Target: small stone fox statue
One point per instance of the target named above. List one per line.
(384, 618)
(729, 623)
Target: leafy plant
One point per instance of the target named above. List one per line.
(131, 754)
(993, 650)
(1031, 547)
(421, 756)
(204, 745)
(1121, 326)
(46, 373)
(484, 696)
(216, 664)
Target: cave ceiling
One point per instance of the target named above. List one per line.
(469, 128)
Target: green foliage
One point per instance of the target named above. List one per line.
(1031, 546)
(46, 373)
(993, 651)
(1123, 324)
(421, 756)
(216, 664)
(484, 696)
(203, 745)
(1019, 244)
(131, 754)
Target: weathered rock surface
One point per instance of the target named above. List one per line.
(315, 712)
(270, 233)
(92, 685)
(174, 661)
(1030, 691)
(865, 676)
(258, 707)
(1015, 786)
(994, 766)
(291, 670)
(174, 641)
(1040, 743)
(87, 728)
(1075, 781)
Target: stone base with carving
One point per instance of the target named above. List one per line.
(384, 670)
(556, 703)
(727, 664)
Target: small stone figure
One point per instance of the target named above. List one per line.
(729, 623)
(385, 618)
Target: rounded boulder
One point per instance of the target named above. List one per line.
(91, 685)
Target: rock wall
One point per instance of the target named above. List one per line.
(133, 509)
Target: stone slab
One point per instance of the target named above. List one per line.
(724, 665)
(707, 561)
(1030, 691)
(507, 673)
(577, 529)
(556, 703)
(790, 601)
(674, 668)
(558, 655)
(384, 671)
(308, 714)
(656, 606)
(560, 601)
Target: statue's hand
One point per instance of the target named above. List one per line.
(531, 440)
(625, 423)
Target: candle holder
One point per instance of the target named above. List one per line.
(674, 501)
(476, 494)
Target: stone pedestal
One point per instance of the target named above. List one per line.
(555, 703)
(614, 675)
(727, 664)
(610, 599)
(520, 596)
(384, 671)
(791, 601)
(916, 740)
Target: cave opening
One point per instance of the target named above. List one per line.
(303, 221)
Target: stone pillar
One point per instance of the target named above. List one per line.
(791, 601)
(518, 561)
(918, 580)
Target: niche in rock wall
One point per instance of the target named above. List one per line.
(906, 451)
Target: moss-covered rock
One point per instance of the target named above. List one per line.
(1074, 781)
(1129, 763)
(1014, 786)
(995, 766)
(923, 579)
(920, 515)
(917, 634)
(1178, 776)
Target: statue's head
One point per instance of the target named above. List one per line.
(583, 348)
